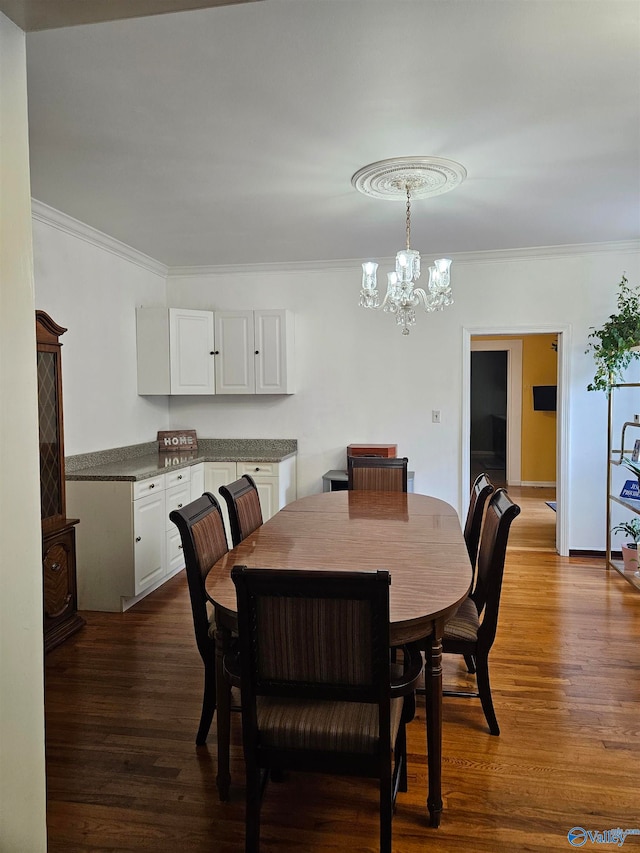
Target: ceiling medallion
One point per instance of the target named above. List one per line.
(407, 178)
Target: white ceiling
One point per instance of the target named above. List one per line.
(230, 135)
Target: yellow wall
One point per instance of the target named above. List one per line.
(539, 367)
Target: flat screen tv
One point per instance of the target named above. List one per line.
(544, 398)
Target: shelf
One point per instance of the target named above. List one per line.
(629, 576)
(634, 506)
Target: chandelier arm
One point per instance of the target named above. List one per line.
(422, 297)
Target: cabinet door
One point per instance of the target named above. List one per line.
(149, 540)
(176, 497)
(197, 480)
(235, 371)
(218, 474)
(274, 352)
(175, 556)
(266, 477)
(191, 351)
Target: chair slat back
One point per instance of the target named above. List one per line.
(243, 503)
(204, 542)
(480, 492)
(501, 512)
(314, 634)
(377, 473)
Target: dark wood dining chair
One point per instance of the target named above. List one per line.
(480, 491)
(472, 630)
(243, 502)
(309, 705)
(204, 542)
(378, 473)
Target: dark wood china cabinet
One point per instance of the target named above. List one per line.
(58, 532)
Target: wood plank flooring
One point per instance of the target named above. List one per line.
(123, 703)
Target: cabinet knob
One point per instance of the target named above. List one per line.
(257, 469)
(215, 352)
(152, 486)
(179, 547)
(138, 538)
(55, 567)
(179, 476)
(257, 352)
(179, 506)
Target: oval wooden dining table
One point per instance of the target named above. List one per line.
(417, 538)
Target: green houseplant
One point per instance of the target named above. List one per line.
(631, 529)
(612, 344)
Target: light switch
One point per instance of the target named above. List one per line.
(435, 416)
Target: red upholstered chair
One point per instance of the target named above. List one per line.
(307, 704)
(243, 502)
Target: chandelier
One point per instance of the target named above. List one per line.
(407, 178)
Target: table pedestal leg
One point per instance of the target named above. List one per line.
(223, 716)
(433, 695)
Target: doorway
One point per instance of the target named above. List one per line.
(513, 475)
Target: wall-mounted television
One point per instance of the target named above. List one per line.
(544, 398)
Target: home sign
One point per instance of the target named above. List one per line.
(170, 441)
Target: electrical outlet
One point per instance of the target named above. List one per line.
(435, 416)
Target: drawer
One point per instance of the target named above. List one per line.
(148, 487)
(174, 478)
(258, 469)
(176, 498)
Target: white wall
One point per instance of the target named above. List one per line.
(91, 285)
(22, 768)
(360, 380)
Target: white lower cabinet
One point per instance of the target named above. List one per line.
(126, 546)
(275, 481)
(121, 553)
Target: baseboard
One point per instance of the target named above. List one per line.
(538, 484)
(577, 552)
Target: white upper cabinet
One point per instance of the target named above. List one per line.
(184, 351)
(191, 351)
(175, 351)
(235, 359)
(274, 352)
(254, 352)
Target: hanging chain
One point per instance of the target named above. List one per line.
(408, 216)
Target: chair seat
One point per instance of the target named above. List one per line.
(333, 726)
(464, 625)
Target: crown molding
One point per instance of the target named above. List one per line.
(62, 222)
(491, 256)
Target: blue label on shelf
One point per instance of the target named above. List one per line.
(631, 490)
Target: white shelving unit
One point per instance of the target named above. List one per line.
(628, 431)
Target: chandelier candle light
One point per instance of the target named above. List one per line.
(407, 178)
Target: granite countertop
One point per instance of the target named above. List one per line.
(142, 461)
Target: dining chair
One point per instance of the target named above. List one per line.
(204, 542)
(378, 473)
(243, 502)
(480, 491)
(472, 630)
(307, 703)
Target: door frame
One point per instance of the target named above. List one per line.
(513, 348)
(562, 435)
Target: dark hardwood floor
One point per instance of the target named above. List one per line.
(123, 703)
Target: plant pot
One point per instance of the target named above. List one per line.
(630, 558)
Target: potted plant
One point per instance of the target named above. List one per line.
(632, 466)
(630, 549)
(613, 344)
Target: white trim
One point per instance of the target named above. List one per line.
(56, 219)
(490, 256)
(539, 484)
(514, 402)
(563, 496)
